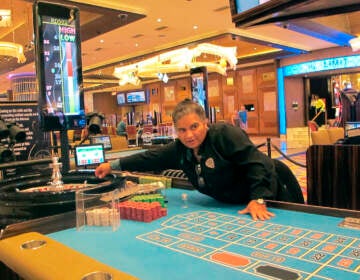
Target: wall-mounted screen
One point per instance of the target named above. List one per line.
(58, 66)
(254, 12)
(89, 155)
(136, 97)
(249, 107)
(120, 98)
(199, 88)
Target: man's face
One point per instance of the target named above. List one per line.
(191, 130)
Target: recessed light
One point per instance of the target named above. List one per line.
(159, 20)
(195, 27)
(101, 41)
(136, 44)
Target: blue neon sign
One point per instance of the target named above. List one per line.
(322, 65)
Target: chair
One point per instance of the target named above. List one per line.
(118, 142)
(320, 137)
(148, 128)
(336, 133)
(147, 134)
(70, 135)
(290, 190)
(132, 136)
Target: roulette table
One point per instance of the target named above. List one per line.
(199, 238)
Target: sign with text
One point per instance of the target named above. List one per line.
(25, 115)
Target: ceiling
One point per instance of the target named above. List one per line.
(116, 33)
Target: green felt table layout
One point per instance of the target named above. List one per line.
(205, 239)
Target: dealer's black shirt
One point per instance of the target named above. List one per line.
(231, 168)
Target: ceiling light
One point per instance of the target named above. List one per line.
(14, 50)
(180, 60)
(355, 44)
(5, 18)
(165, 78)
(10, 48)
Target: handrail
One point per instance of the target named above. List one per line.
(268, 144)
(24, 163)
(288, 158)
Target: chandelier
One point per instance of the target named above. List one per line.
(176, 61)
(5, 18)
(14, 50)
(10, 48)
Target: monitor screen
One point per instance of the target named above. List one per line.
(102, 139)
(136, 97)
(89, 155)
(59, 67)
(120, 98)
(249, 107)
(199, 87)
(352, 129)
(254, 12)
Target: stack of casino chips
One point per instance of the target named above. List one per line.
(141, 211)
(149, 198)
(102, 217)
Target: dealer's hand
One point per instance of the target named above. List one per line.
(257, 211)
(102, 170)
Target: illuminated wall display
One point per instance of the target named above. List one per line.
(342, 62)
(61, 99)
(334, 63)
(199, 88)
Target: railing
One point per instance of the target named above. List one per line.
(25, 163)
(268, 145)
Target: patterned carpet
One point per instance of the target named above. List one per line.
(299, 172)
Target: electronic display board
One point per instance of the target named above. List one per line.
(199, 88)
(120, 98)
(59, 67)
(136, 97)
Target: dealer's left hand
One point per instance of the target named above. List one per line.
(257, 211)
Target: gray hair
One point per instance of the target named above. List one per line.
(185, 107)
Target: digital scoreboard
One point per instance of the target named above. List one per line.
(59, 67)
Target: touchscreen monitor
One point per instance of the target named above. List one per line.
(102, 139)
(89, 155)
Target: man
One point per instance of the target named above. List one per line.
(121, 127)
(219, 160)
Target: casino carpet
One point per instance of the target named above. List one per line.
(296, 154)
(299, 171)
